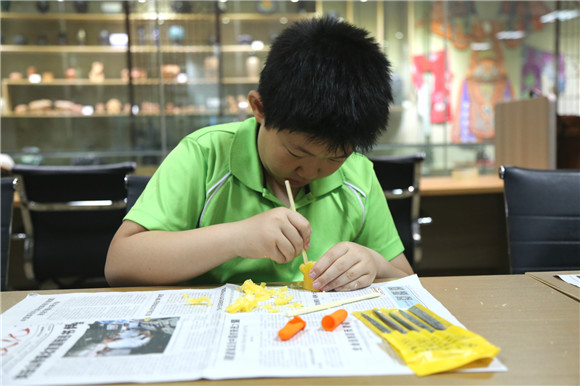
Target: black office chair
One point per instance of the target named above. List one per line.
(135, 185)
(543, 218)
(399, 177)
(6, 214)
(70, 214)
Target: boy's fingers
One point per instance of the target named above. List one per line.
(295, 239)
(332, 266)
(303, 227)
(327, 260)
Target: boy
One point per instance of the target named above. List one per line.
(216, 210)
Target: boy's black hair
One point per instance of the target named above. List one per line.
(329, 79)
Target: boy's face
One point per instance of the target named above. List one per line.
(294, 157)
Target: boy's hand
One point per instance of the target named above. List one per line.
(345, 267)
(278, 234)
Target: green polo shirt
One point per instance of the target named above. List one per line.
(215, 176)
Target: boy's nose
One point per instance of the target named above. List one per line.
(309, 171)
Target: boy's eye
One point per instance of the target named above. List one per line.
(294, 155)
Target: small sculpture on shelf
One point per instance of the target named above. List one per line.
(31, 70)
(21, 109)
(176, 33)
(211, 66)
(170, 71)
(81, 36)
(15, 75)
(67, 107)
(40, 106)
(100, 108)
(232, 104)
(253, 66)
(114, 106)
(47, 76)
(104, 37)
(97, 72)
(150, 107)
(19, 40)
(70, 73)
(136, 73)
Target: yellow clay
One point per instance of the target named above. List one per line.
(254, 294)
(199, 300)
(281, 301)
(305, 269)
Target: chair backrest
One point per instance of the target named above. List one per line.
(6, 214)
(543, 218)
(70, 214)
(399, 177)
(135, 186)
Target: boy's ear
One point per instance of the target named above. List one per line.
(255, 102)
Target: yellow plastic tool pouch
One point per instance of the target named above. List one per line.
(426, 342)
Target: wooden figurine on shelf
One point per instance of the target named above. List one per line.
(136, 73)
(114, 106)
(70, 73)
(170, 71)
(97, 72)
(21, 109)
(47, 76)
(211, 66)
(232, 104)
(100, 108)
(81, 36)
(40, 106)
(67, 107)
(31, 70)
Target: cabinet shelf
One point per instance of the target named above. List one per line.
(61, 16)
(136, 82)
(33, 49)
(58, 115)
(118, 82)
(93, 49)
(270, 17)
(97, 17)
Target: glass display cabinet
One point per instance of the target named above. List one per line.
(86, 82)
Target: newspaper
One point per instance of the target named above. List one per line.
(156, 336)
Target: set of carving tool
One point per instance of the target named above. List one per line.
(426, 342)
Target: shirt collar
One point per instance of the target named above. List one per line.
(246, 165)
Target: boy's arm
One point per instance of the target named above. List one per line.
(138, 256)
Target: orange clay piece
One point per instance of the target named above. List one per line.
(330, 322)
(305, 269)
(292, 328)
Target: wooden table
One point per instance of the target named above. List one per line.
(536, 327)
(550, 279)
(443, 186)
